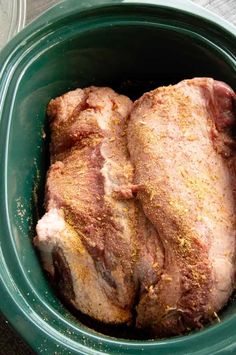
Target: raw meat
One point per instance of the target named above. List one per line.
(147, 237)
(179, 138)
(87, 235)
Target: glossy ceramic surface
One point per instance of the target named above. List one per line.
(131, 46)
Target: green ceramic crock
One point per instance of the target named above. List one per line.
(131, 46)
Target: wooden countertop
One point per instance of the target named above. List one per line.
(224, 8)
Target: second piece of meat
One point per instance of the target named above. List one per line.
(180, 145)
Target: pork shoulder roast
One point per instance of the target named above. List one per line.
(140, 204)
